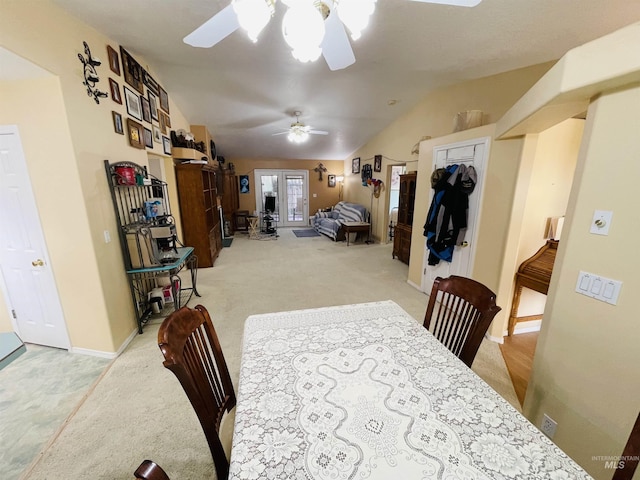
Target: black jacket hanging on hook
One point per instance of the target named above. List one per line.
(446, 222)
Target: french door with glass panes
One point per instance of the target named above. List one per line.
(290, 192)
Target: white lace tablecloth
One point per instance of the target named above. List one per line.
(365, 392)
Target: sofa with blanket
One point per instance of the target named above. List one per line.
(330, 223)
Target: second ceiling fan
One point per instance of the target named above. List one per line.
(298, 132)
(310, 27)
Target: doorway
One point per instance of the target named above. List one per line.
(26, 277)
(470, 153)
(547, 178)
(284, 194)
(394, 196)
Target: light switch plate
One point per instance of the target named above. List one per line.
(601, 222)
(598, 287)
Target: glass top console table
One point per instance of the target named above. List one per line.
(143, 280)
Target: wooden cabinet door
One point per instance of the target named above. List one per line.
(197, 193)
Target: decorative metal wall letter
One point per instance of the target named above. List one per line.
(90, 74)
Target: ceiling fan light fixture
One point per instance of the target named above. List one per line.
(298, 134)
(303, 30)
(253, 15)
(355, 15)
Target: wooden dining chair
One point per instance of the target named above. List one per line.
(192, 352)
(149, 470)
(459, 313)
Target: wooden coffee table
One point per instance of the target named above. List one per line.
(355, 227)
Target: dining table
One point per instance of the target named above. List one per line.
(364, 391)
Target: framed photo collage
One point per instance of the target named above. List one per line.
(147, 104)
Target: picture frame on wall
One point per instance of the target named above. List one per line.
(166, 145)
(153, 104)
(148, 138)
(157, 136)
(146, 109)
(148, 80)
(244, 184)
(161, 120)
(377, 163)
(135, 132)
(114, 61)
(164, 99)
(331, 180)
(115, 91)
(132, 101)
(355, 165)
(117, 123)
(132, 71)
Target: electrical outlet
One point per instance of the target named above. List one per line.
(548, 426)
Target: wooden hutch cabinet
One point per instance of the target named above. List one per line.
(199, 210)
(403, 229)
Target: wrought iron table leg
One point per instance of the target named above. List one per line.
(193, 266)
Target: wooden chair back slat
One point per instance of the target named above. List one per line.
(192, 352)
(459, 313)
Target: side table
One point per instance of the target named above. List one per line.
(355, 227)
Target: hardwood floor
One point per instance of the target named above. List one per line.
(518, 351)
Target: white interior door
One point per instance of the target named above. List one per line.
(291, 191)
(25, 273)
(473, 152)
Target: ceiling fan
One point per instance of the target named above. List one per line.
(298, 132)
(310, 27)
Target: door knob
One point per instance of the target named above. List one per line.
(37, 263)
(464, 244)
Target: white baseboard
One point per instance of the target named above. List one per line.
(109, 355)
(494, 339)
(526, 327)
(93, 353)
(522, 327)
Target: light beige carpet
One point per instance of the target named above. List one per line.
(138, 409)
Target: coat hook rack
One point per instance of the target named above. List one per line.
(90, 74)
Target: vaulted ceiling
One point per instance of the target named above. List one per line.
(245, 92)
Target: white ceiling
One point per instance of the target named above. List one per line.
(245, 92)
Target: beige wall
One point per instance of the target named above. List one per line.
(434, 116)
(37, 108)
(585, 374)
(76, 205)
(325, 196)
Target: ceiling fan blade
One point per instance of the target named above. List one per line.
(318, 132)
(336, 48)
(214, 30)
(279, 133)
(457, 3)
